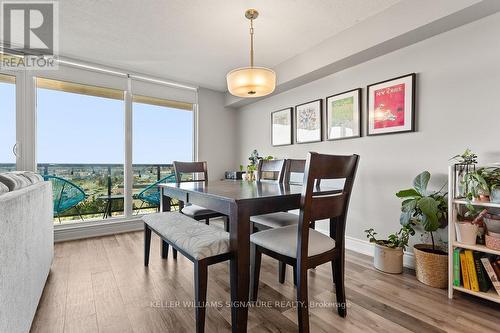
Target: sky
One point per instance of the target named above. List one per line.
(7, 122)
(74, 128)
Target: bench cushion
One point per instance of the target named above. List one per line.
(276, 220)
(196, 239)
(284, 241)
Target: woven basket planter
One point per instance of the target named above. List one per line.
(431, 268)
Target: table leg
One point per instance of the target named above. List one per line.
(239, 267)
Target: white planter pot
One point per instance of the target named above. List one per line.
(388, 260)
(466, 232)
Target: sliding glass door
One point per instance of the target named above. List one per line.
(80, 148)
(7, 122)
(162, 133)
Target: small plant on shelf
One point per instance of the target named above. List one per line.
(465, 163)
(468, 157)
(483, 184)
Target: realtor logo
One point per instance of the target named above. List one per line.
(30, 28)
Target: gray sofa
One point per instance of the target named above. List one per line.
(26, 248)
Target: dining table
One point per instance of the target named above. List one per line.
(239, 200)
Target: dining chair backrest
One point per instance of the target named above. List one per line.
(274, 167)
(318, 203)
(193, 168)
(294, 167)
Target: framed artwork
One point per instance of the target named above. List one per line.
(281, 127)
(391, 106)
(308, 122)
(343, 115)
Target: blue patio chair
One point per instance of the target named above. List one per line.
(151, 194)
(66, 195)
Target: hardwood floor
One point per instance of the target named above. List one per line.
(101, 285)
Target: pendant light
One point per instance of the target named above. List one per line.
(251, 81)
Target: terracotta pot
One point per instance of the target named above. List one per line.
(431, 268)
(388, 260)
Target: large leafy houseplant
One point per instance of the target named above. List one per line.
(423, 207)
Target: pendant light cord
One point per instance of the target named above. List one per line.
(251, 42)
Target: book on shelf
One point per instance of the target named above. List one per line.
(496, 266)
(482, 276)
(456, 267)
(465, 273)
(471, 270)
(495, 280)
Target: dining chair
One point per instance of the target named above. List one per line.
(275, 168)
(192, 170)
(293, 171)
(303, 247)
(202, 244)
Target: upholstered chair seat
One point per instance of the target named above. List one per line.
(276, 220)
(195, 211)
(284, 241)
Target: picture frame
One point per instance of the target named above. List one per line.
(343, 115)
(282, 127)
(391, 106)
(309, 122)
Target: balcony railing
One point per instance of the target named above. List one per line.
(99, 182)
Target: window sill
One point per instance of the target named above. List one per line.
(65, 232)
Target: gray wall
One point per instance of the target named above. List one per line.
(216, 133)
(458, 84)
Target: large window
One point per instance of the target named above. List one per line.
(80, 140)
(7, 122)
(81, 136)
(162, 133)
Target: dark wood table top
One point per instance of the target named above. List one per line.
(240, 190)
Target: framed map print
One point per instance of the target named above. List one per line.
(281, 127)
(308, 123)
(391, 106)
(343, 115)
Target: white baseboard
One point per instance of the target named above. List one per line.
(100, 228)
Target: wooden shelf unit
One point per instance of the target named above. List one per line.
(453, 204)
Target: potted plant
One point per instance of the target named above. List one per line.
(468, 225)
(252, 167)
(251, 172)
(388, 255)
(428, 209)
(483, 184)
(254, 162)
(465, 163)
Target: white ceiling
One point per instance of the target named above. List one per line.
(199, 41)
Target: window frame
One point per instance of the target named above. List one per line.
(26, 131)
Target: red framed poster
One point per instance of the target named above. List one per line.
(391, 106)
